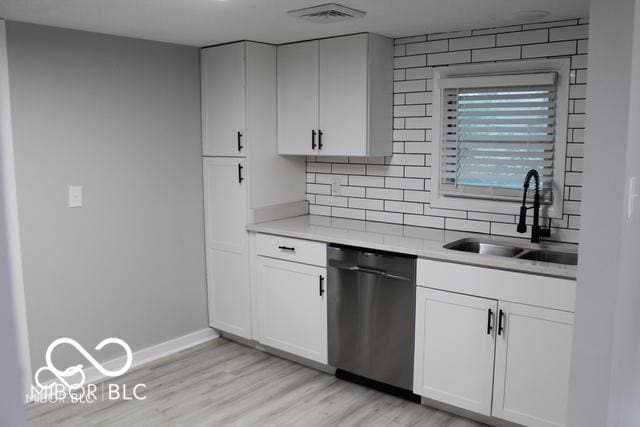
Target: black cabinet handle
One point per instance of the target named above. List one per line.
(320, 285)
(239, 141)
(313, 139)
(489, 316)
(240, 178)
(500, 325)
(320, 139)
(287, 248)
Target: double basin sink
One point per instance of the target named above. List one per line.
(484, 247)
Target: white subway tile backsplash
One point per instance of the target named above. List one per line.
(404, 207)
(417, 171)
(523, 37)
(369, 204)
(348, 213)
(572, 32)
(550, 24)
(390, 217)
(417, 196)
(319, 210)
(366, 181)
(419, 73)
(467, 225)
(407, 159)
(418, 98)
(424, 221)
(408, 183)
(475, 42)
(410, 61)
(348, 169)
(449, 58)
(385, 170)
(427, 47)
(384, 193)
(496, 54)
(331, 200)
(549, 49)
(409, 110)
(449, 35)
(396, 189)
(318, 189)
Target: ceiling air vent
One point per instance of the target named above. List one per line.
(326, 13)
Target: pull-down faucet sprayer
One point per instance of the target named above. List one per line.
(536, 231)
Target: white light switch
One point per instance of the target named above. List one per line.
(75, 196)
(633, 195)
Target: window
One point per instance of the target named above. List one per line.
(493, 127)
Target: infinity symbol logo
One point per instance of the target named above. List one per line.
(72, 371)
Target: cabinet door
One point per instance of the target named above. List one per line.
(225, 203)
(533, 353)
(454, 351)
(292, 307)
(343, 95)
(298, 98)
(223, 100)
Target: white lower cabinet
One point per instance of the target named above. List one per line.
(457, 338)
(292, 307)
(533, 355)
(455, 344)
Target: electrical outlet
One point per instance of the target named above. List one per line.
(633, 195)
(336, 187)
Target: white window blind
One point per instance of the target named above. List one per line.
(494, 130)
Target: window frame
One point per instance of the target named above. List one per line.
(561, 66)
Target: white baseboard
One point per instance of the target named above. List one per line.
(150, 354)
(155, 352)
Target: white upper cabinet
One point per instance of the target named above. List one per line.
(533, 356)
(223, 100)
(298, 98)
(336, 96)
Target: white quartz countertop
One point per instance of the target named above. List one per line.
(422, 242)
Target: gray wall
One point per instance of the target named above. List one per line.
(121, 117)
(605, 362)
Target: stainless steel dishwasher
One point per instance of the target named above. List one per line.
(371, 304)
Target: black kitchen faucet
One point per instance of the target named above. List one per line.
(536, 231)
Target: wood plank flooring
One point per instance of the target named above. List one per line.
(222, 383)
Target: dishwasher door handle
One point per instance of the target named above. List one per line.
(373, 271)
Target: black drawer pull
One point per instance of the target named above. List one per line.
(313, 139)
(239, 142)
(320, 285)
(320, 139)
(287, 248)
(489, 316)
(500, 325)
(240, 178)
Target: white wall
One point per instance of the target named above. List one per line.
(121, 117)
(605, 363)
(11, 413)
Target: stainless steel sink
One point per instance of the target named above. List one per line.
(528, 252)
(554, 257)
(478, 246)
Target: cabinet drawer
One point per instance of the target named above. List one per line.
(288, 248)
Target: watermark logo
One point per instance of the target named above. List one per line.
(71, 384)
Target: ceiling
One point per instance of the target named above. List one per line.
(206, 22)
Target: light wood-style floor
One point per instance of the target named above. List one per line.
(223, 383)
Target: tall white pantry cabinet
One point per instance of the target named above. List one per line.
(242, 173)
